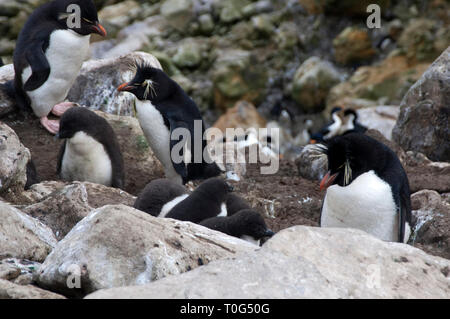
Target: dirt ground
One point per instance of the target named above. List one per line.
(285, 198)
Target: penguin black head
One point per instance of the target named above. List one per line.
(149, 83)
(78, 119)
(246, 224)
(351, 155)
(252, 224)
(350, 112)
(63, 11)
(335, 109)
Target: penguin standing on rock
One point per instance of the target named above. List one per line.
(162, 107)
(90, 151)
(49, 53)
(246, 224)
(367, 188)
(159, 196)
(206, 201)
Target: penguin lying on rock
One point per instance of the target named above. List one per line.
(366, 188)
(246, 224)
(49, 53)
(160, 195)
(90, 151)
(162, 107)
(207, 200)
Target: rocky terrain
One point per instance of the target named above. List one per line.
(246, 64)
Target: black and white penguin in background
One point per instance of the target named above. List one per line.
(331, 129)
(160, 196)
(366, 188)
(246, 224)
(350, 123)
(206, 201)
(162, 106)
(49, 53)
(90, 151)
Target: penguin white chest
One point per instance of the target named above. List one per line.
(85, 159)
(157, 135)
(366, 204)
(65, 55)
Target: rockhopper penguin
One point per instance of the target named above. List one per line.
(90, 151)
(330, 129)
(367, 188)
(350, 123)
(162, 106)
(49, 53)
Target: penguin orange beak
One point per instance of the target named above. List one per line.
(124, 87)
(327, 180)
(100, 29)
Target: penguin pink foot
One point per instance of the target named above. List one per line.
(61, 108)
(50, 125)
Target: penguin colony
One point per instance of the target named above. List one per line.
(366, 186)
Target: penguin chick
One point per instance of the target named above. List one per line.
(49, 53)
(158, 194)
(90, 151)
(367, 188)
(162, 107)
(207, 200)
(246, 224)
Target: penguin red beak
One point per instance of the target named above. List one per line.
(327, 180)
(100, 29)
(124, 87)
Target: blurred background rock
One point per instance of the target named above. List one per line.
(301, 56)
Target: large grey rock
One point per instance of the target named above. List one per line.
(96, 85)
(6, 103)
(62, 209)
(308, 262)
(263, 274)
(119, 246)
(9, 290)
(423, 123)
(431, 213)
(13, 161)
(22, 236)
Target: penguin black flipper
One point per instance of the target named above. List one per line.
(115, 155)
(107, 137)
(404, 213)
(40, 67)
